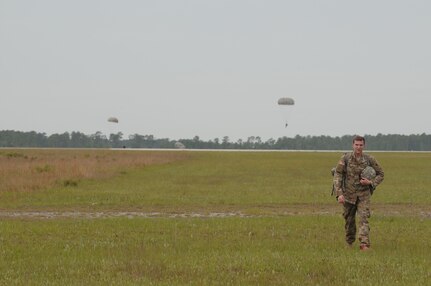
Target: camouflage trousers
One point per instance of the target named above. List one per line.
(362, 208)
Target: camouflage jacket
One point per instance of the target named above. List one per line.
(352, 187)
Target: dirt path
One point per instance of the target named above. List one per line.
(110, 214)
(132, 214)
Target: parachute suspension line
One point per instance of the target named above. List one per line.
(286, 104)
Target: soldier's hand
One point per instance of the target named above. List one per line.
(341, 199)
(365, 181)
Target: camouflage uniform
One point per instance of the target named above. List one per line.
(357, 196)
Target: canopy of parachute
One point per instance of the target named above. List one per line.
(286, 101)
(113, 119)
(179, 145)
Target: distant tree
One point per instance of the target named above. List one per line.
(99, 140)
(78, 139)
(225, 142)
(115, 139)
(394, 142)
(270, 143)
(59, 140)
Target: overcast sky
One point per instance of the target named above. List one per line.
(178, 69)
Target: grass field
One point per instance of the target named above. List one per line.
(102, 217)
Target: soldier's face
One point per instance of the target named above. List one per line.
(358, 146)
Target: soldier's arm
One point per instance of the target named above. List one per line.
(338, 177)
(380, 174)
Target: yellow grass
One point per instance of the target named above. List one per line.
(23, 170)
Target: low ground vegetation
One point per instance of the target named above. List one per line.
(280, 227)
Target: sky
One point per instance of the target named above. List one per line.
(184, 68)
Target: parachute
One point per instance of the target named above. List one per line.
(286, 101)
(179, 145)
(113, 119)
(285, 104)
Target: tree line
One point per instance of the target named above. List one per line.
(389, 142)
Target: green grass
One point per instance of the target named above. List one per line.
(292, 250)
(247, 182)
(294, 235)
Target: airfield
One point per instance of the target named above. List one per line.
(204, 217)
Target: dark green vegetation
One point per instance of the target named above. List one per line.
(390, 142)
(285, 228)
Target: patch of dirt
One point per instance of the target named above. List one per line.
(384, 211)
(110, 214)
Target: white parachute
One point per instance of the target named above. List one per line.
(113, 119)
(180, 145)
(286, 108)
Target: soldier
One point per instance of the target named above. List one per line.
(354, 189)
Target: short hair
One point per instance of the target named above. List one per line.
(358, 138)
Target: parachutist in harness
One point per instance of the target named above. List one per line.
(286, 101)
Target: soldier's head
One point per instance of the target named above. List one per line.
(358, 144)
(358, 138)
